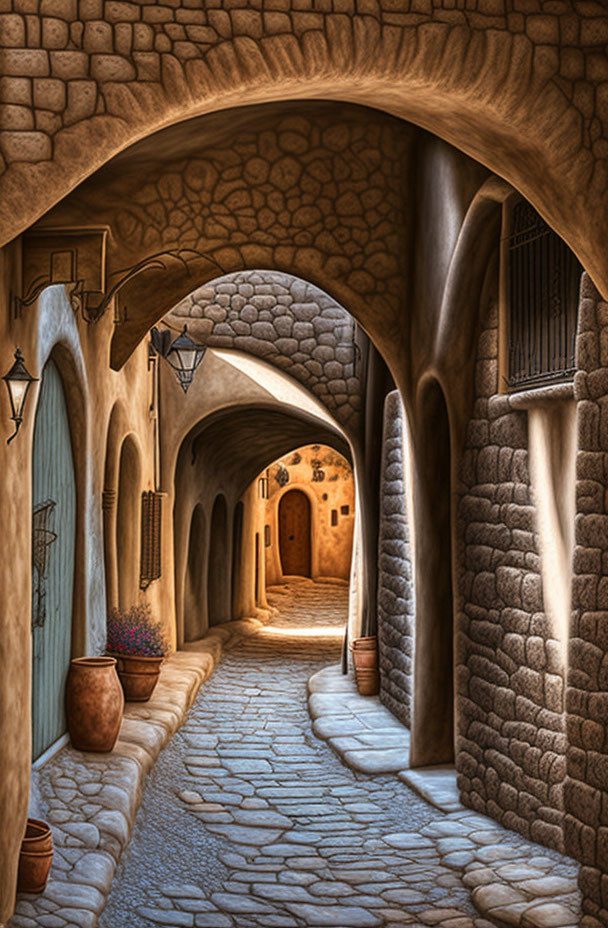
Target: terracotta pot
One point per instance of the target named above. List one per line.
(365, 659)
(94, 702)
(35, 857)
(367, 643)
(138, 675)
(368, 681)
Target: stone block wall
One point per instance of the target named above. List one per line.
(586, 788)
(288, 323)
(511, 739)
(396, 604)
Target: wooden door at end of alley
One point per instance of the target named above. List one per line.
(294, 533)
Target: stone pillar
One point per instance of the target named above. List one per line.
(586, 788)
(395, 579)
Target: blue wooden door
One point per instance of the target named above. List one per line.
(53, 539)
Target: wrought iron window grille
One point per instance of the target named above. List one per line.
(543, 281)
(42, 539)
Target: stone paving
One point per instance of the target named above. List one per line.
(249, 821)
(90, 800)
(513, 881)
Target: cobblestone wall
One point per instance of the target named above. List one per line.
(82, 80)
(395, 575)
(511, 738)
(586, 790)
(286, 322)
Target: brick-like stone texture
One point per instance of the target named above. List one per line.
(526, 70)
(288, 323)
(396, 606)
(586, 789)
(510, 676)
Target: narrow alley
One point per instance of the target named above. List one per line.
(249, 821)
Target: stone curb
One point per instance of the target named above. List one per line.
(527, 887)
(91, 800)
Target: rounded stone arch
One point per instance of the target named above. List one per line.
(287, 322)
(503, 104)
(194, 621)
(128, 521)
(218, 564)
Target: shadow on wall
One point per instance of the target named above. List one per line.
(433, 720)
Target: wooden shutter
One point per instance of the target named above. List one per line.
(150, 537)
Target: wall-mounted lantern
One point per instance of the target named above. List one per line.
(18, 381)
(182, 354)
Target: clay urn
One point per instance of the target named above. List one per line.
(35, 857)
(94, 703)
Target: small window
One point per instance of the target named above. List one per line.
(542, 302)
(345, 510)
(334, 517)
(267, 536)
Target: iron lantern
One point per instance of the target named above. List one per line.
(18, 382)
(182, 354)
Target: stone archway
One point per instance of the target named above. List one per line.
(508, 101)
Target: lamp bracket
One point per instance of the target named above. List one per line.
(75, 258)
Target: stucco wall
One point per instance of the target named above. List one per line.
(396, 601)
(50, 328)
(511, 738)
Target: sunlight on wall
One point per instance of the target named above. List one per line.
(552, 437)
(277, 384)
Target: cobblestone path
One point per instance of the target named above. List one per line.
(249, 821)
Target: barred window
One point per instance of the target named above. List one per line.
(543, 282)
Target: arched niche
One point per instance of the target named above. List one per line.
(218, 569)
(128, 523)
(433, 722)
(237, 555)
(194, 619)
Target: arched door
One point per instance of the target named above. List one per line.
(294, 533)
(53, 543)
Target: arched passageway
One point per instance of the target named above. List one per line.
(53, 560)
(127, 523)
(218, 571)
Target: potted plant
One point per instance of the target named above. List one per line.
(137, 641)
(35, 857)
